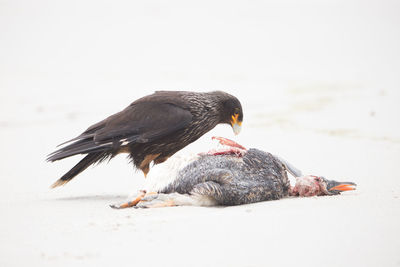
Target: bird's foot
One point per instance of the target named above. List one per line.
(141, 195)
(156, 201)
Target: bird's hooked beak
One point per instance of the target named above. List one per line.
(336, 188)
(236, 124)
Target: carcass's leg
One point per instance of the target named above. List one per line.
(134, 202)
(174, 199)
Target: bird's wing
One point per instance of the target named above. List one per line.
(291, 169)
(139, 123)
(143, 122)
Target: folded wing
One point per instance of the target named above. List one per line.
(141, 122)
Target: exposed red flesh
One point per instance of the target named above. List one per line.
(228, 142)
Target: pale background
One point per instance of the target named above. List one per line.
(319, 82)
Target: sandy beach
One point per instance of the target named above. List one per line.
(319, 85)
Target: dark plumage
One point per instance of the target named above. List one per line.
(231, 180)
(151, 129)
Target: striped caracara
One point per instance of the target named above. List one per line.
(151, 129)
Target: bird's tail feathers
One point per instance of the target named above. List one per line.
(83, 146)
(90, 159)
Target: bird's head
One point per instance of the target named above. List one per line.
(335, 188)
(311, 185)
(232, 113)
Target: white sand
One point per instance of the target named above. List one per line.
(319, 84)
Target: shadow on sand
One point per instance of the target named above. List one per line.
(93, 198)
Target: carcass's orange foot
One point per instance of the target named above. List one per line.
(133, 203)
(156, 201)
(122, 205)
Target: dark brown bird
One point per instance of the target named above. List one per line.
(151, 129)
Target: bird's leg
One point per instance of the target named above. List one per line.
(145, 170)
(145, 164)
(142, 194)
(157, 201)
(175, 199)
(231, 148)
(160, 160)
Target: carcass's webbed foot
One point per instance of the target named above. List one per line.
(141, 195)
(156, 201)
